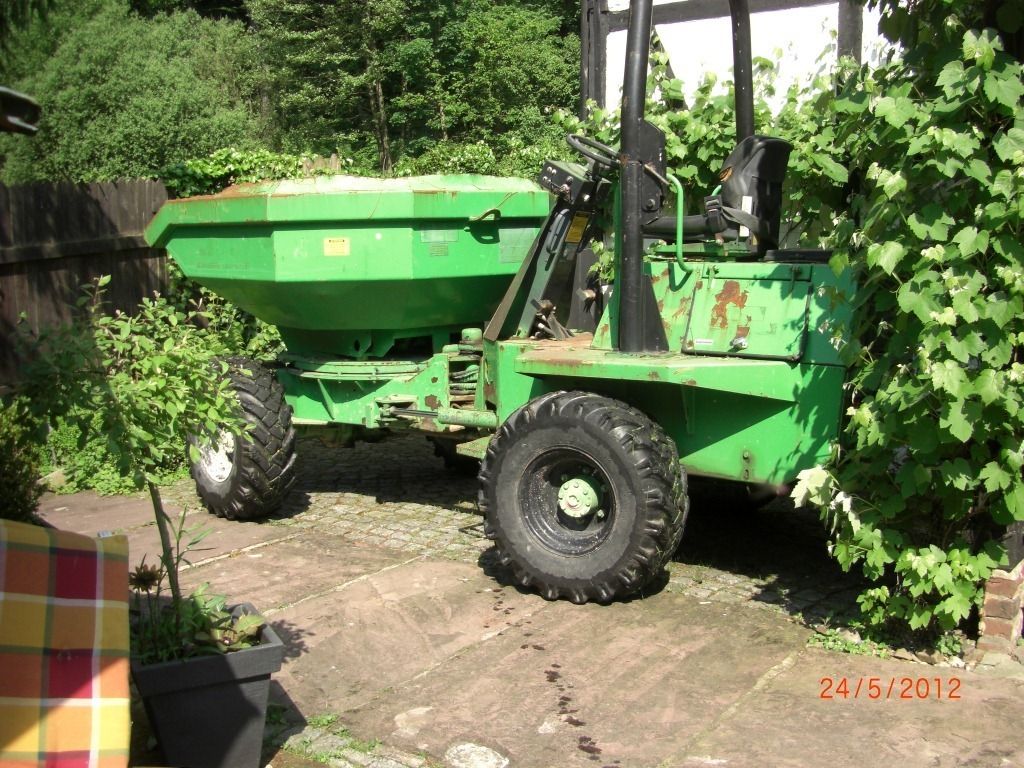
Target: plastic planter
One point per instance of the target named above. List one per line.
(209, 711)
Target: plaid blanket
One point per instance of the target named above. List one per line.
(64, 699)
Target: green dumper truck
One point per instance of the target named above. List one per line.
(467, 308)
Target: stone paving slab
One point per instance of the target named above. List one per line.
(294, 567)
(90, 513)
(579, 686)
(384, 630)
(787, 723)
(377, 576)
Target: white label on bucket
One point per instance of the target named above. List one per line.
(337, 246)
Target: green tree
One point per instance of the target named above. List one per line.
(123, 96)
(383, 79)
(15, 14)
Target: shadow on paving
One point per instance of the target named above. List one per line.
(775, 555)
(777, 548)
(398, 469)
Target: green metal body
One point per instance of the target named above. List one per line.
(753, 388)
(750, 389)
(346, 267)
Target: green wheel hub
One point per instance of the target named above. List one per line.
(580, 496)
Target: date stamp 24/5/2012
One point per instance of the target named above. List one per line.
(889, 688)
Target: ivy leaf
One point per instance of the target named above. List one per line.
(980, 47)
(831, 168)
(1004, 88)
(920, 616)
(979, 170)
(886, 255)
(995, 477)
(1003, 184)
(893, 185)
(914, 301)
(956, 607)
(1001, 310)
(951, 78)
(956, 421)
(931, 222)
(988, 386)
(895, 110)
(1009, 143)
(971, 241)
(942, 578)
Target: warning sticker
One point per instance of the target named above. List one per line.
(576, 229)
(337, 246)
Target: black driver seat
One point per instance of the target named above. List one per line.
(755, 169)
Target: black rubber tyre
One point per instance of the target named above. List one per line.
(247, 478)
(610, 552)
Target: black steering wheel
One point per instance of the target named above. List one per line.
(601, 154)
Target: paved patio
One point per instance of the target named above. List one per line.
(408, 647)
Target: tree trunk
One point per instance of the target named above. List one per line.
(167, 551)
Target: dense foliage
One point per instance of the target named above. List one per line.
(141, 382)
(123, 96)
(19, 462)
(931, 467)
(130, 87)
(386, 79)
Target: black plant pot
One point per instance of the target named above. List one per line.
(208, 711)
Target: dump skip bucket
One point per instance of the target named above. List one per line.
(347, 265)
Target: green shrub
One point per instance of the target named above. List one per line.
(19, 463)
(934, 454)
(224, 167)
(89, 463)
(123, 96)
(914, 172)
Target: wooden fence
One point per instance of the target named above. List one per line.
(55, 237)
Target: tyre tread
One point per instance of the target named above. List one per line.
(267, 466)
(654, 457)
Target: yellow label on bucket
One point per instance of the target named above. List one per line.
(579, 224)
(337, 246)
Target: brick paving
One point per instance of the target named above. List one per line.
(396, 494)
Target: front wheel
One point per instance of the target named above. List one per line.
(246, 477)
(584, 497)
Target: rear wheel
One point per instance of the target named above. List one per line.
(454, 461)
(584, 497)
(246, 477)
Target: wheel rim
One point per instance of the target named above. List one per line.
(218, 459)
(566, 501)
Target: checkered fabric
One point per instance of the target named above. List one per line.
(64, 699)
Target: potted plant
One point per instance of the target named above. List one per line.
(147, 382)
(202, 668)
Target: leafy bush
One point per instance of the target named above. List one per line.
(224, 167)
(932, 460)
(19, 463)
(123, 96)
(149, 381)
(89, 463)
(134, 385)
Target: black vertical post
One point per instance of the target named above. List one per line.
(634, 92)
(851, 28)
(586, 57)
(743, 76)
(593, 41)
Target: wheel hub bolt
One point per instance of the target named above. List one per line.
(578, 496)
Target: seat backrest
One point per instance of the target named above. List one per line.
(756, 169)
